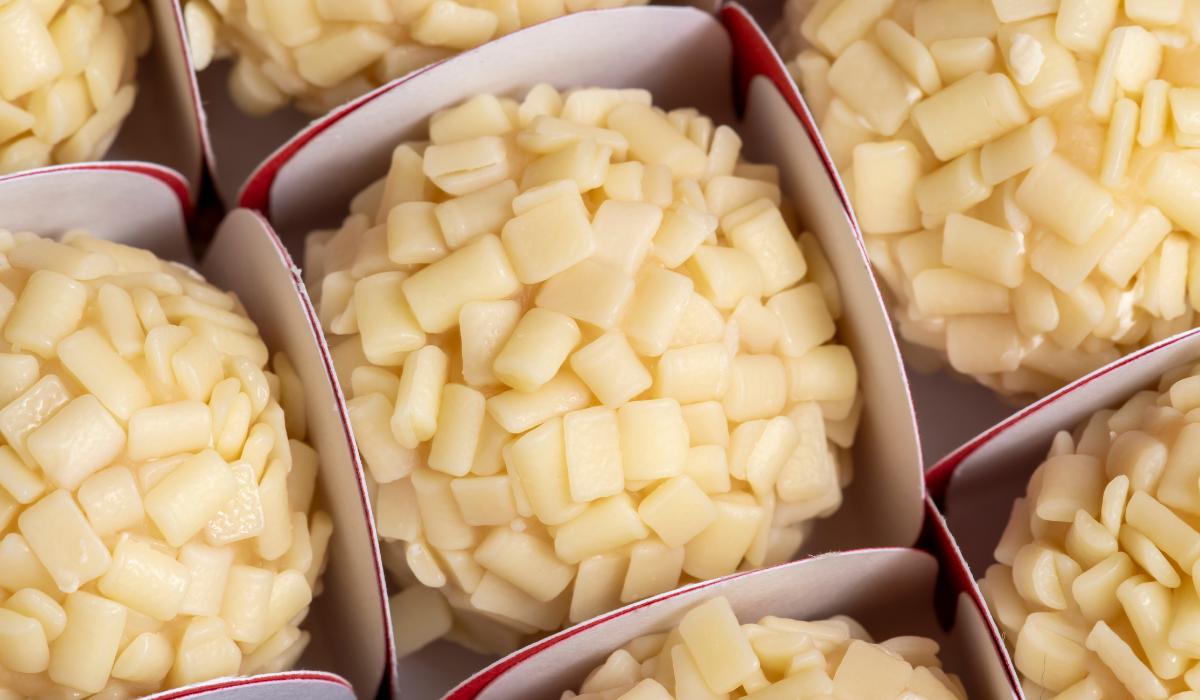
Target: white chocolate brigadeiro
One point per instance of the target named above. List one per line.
(589, 359)
(1025, 173)
(67, 78)
(710, 656)
(318, 54)
(157, 519)
(1094, 588)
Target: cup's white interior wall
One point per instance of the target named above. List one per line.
(164, 126)
(348, 620)
(127, 207)
(893, 595)
(981, 491)
(969, 645)
(247, 259)
(883, 505)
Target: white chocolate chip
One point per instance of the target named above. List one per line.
(1025, 58)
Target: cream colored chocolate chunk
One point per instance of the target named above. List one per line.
(597, 586)
(767, 239)
(611, 369)
(525, 561)
(452, 449)
(722, 652)
(517, 411)
(63, 541)
(887, 100)
(536, 350)
(720, 547)
(624, 230)
(82, 657)
(190, 496)
(593, 445)
(480, 271)
(757, 388)
(885, 175)
(482, 500)
(654, 439)
(870, 673)
(145, 580)
(549, 239)
(589, 292)
(385, 321)
(608, 523)
(652, 140)
(418, 400)
(23, 646)
(385, 457)
(677, 510)
(540, 460)
(77, 441)
(683, 229)
(485, 326)
(658, 307)
(725, 276)
(694, 374)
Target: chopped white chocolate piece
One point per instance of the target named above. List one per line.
(1025, 58)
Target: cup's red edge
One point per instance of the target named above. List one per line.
(236, 682)
(169, 177)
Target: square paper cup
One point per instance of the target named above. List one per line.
(975, 485)
(685, 58)
(891, 591)
(144, 207)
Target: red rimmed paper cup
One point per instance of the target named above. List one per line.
(976, 484)
(890, 591)
(685, 58)
(145, 206)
